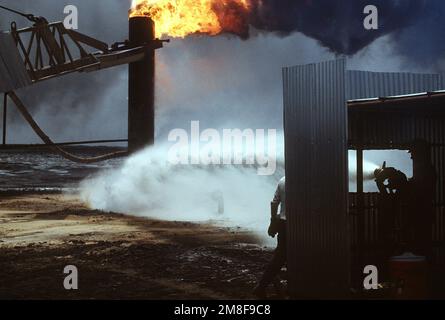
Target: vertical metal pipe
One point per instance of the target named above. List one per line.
(360, 209)
(360, 194)
(360, 188)
(141, 87)
(5, 110)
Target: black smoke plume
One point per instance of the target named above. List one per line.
(74, 107)
(337, 25)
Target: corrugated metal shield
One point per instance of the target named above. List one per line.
(365, 84)
(317, 179)
(13, 74)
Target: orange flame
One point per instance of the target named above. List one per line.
(179, 18)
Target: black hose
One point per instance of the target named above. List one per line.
(13, 11)
(24, 111)
(28, 16)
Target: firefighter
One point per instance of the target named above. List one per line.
(277, 227)
(394, 197)
(410, 200)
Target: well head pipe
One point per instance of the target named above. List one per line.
(141, 86)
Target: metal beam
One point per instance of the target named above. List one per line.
(360, 202)
(44, 146)
(50, 40)
(5, 110)
(89, 41)
(360, 210)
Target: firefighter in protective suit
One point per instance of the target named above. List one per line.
(412, 200)
(277, 226)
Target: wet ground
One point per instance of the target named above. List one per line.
(41, 169)
(119, 256)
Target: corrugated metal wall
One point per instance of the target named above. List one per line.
(316, 124)
(386, 126)
(365, 84)
(13, 74)
(317, 179)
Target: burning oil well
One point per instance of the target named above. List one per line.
(149, 20)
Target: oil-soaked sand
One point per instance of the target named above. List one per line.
(119, 256)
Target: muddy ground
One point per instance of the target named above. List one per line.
(120, 256)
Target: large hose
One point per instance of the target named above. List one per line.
(24, 111)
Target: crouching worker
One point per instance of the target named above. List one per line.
(277, 226)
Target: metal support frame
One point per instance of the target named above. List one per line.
(45, 49)
(5, 111)
(47, 52)
(360, 200)
(360, 206)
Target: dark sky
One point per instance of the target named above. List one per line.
(224, 81)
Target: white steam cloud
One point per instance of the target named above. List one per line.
(148, 185)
